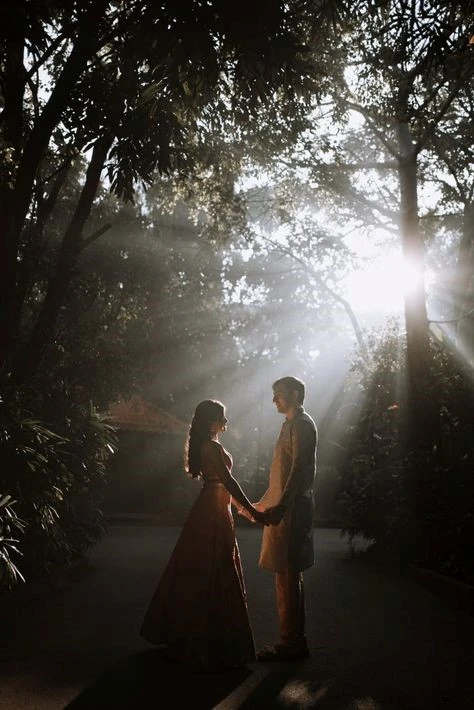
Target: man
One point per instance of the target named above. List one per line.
(287, 543)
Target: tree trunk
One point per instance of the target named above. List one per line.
(12, 128)
(418, 436)
(33, 247)
(416, 319)
(464, 293)
(31, 355)
(15, 202)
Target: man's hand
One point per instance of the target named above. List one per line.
(258, 516)
(275, 513)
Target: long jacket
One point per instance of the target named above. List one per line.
(291, 480)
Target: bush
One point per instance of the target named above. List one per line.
(54, 450)
(10, 527)
(377, 502)
(414, 506)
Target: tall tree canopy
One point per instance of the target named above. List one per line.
(129, 86)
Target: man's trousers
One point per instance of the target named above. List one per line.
(291, 608)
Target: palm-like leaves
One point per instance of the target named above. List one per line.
(11, 527)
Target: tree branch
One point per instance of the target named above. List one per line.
(443, 110)
(370, 122)
(95, 235)
(46, 55)
(336, 296)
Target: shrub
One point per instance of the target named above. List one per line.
(417, 507)
(10, 527)
(54, 450)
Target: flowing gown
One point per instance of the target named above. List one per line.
(199, 609)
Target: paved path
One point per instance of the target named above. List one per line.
(379, 641)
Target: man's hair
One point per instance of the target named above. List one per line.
(291, 384)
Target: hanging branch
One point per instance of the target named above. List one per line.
(334, 295)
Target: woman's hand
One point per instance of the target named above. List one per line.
(255, 516)
(260, 516)
(246, 514)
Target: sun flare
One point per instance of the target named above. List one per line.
(381, 286)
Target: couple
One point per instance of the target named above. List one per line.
(199, 609)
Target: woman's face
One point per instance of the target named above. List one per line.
(220, 425)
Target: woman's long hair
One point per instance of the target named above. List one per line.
(206, 413)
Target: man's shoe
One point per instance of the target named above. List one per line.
(280, 652)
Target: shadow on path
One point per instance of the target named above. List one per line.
(147, 679)
(378, 640)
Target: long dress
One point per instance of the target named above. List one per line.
(199, 609)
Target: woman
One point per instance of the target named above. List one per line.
(199, 609)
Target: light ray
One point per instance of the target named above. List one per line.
(382, 285)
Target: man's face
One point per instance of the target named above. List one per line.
(284, 400)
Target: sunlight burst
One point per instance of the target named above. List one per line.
(381, 286)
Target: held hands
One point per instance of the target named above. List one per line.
(246, 514)
(274, 514)
(256, 516)
(259, 517)
(266, 516)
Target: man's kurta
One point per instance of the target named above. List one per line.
(291, 480)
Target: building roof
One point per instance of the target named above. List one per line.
(136, 414)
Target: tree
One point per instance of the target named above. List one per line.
(127, 85)
(401, 71)
(410, 62)
(390, 125)
(450, 159)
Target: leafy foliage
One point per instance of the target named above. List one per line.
(203, 92)
(10, 527)
(54, 452)
(417, 509)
